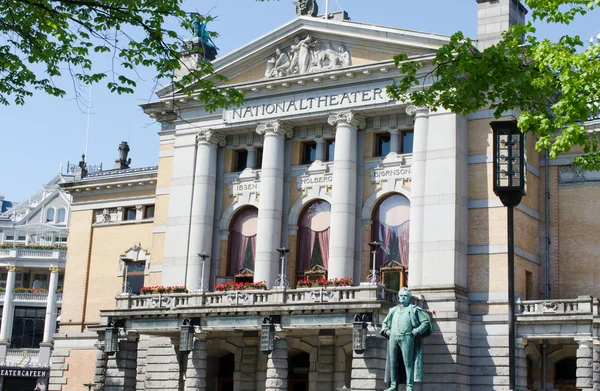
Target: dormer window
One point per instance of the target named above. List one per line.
(61, 215)
(50, 215)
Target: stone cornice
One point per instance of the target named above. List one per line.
(278, 128)
(349, 117)
(211, 136)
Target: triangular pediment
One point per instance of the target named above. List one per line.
(308, 45)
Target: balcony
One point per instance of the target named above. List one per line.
(564, 318)
(31, 298)
(35, 254)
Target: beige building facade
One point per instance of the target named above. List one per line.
(287, 192)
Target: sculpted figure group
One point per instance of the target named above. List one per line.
(305, 56)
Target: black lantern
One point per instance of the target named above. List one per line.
(186, 337)
(509, 185)
(111, 339)
(267, 333)
(360, 332)
(89, 385)
(509, 162)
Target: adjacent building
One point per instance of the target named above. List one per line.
(254, 237)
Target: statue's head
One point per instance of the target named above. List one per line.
(404, 296)
(277, 51)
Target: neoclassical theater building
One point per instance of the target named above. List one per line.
(287, 192)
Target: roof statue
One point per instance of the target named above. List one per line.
(307, 8)
(201, 37)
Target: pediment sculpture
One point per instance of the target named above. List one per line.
(307, 8)
(305, 56)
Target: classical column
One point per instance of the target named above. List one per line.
(343, 206)
(394, 140)
(50, 321)
(270, 208)
(417, 208)
(251, 158)
(8, 307)
(203, 204)
(195, 378)
(585, 366)
(321, 149)
(277, 367)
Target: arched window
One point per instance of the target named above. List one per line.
(60, 216)
(242, 240)
(313, 236)
(391, 221)
(50, 215)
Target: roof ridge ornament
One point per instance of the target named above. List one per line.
(307, 8)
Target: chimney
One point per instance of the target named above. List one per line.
(496, 16)
(122, 162)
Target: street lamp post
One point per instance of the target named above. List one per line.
(374, 277)
(204, 256)
(282, 281)
(509, 186)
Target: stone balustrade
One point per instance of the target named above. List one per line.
(35, 254)
(583, 305)
(263, 298)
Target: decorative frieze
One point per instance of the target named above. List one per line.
(317, 180)
(394, 170)
(106, 215)
(247, 186)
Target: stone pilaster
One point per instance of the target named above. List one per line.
(162, 366)
(247, 370)
(585, 366)
(121, 367)
(142, 359)
(196, 367)
(277, 367)
(596, 368)
(271, 201)
(394, 140)
(203, 204)
(321, 148)
(325, 363)
(59, 368)
(261, 371)
(343, 206)
(521, 365)
(100, 367)
(251, 159)
(368, 368)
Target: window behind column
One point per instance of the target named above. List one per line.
(28, 327)
(407, 141)
(313, 238)
(330, 150)
(391, 226)
(383, 144)
(241, 159)
(242, 241)
(309, 153)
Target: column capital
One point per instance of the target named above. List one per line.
(417, 110)
(349, 117)
(211, 136)
(394, 131)
(55, 269)
(278, 128)
(12, 268)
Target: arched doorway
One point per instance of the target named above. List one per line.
(242, 244)
(298, 368)
(219, 371)
(565, 374)
(391, 227)
(313, 240)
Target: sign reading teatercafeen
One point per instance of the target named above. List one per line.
(11, 371)
(308, 102)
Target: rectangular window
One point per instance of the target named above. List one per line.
(28, 328)
(330, 150)
(61, 281)
(241, 159)
(135, 276)
(40, 281)
(149, 211)
(259, 157)
(407, 142)
(21, 238)
(383, 144)
(129, 214)
(10, 237)
(309, 153)
(528, 285)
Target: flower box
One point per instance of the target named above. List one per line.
(324, 283)
(153, 290)
(240, 286)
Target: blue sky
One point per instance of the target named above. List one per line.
(36, 138)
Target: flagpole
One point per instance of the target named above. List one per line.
(326, 9)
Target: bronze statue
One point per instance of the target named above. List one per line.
(405, 326)
(202, 37)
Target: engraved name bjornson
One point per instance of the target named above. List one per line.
(393, 172)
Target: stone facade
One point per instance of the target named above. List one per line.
(331, 137)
